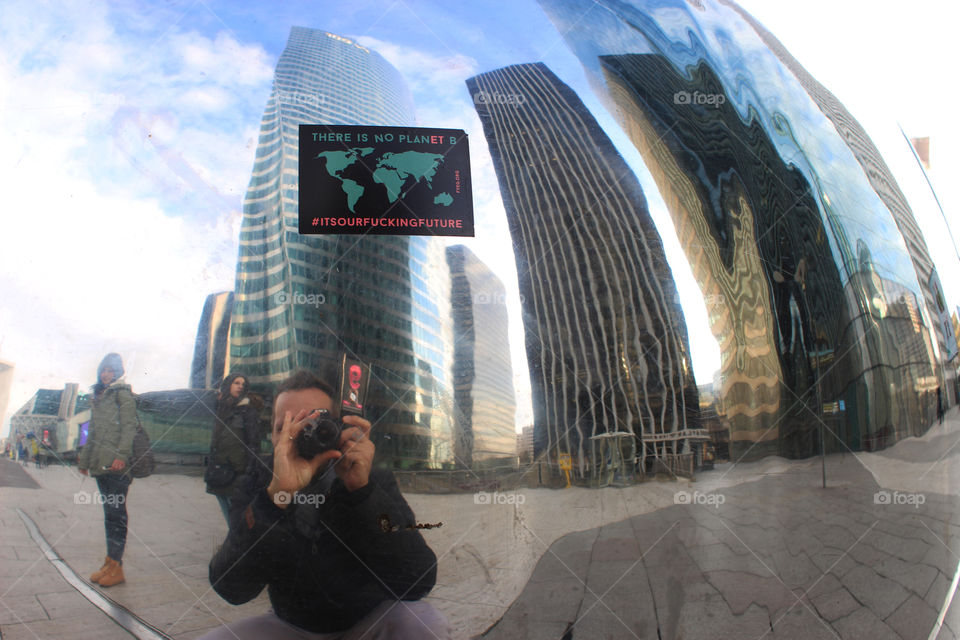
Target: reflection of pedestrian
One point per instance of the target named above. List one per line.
(106, 457)
(940, 405)
(235, 443)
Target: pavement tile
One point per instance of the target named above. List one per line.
(945, 634)
(826, 583)
(835, 605)
(799, 623)
(914, 576)
(621, 614)
(719, 557)
(880, 594)
(712, 619)
(862, 624)
(909, 549)
(7, 552)
(61, 604)
(92, 625)
(21, 609)
(836, 562)
(914, 618)
(740, 590)
(937, 592)
(794, 571)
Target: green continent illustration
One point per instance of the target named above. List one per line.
(395, 171)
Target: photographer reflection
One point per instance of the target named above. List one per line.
(235, 443)
(310, 532)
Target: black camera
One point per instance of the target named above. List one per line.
(321, 433)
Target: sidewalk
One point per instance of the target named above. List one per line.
(753, 550)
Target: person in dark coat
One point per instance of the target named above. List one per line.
(235, 443)
(312, 532)
(106, 457)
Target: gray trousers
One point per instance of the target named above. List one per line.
(395, 620)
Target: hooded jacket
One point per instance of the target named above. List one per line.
(113, 424)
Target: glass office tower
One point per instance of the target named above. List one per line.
(784, 212)
(482, 371)
(303, 300)
(606, 340)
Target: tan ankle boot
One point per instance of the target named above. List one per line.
(113, 575)
(99, 573)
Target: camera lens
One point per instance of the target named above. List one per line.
(321, 433)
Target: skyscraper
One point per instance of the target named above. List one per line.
(301, 301)
(784, 208)
(482, 372)
(210, 364)
(606, 342)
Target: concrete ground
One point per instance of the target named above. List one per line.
(756, 550)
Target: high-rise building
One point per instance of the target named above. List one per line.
(303, 300)
(210, 362)
(787, 214)
(6, 380)
(876, 171)
(606, 341)
(482, 372)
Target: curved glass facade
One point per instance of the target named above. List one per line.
(780, 221)
(304, 300)
(695, 376)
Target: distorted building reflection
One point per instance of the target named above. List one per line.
(777, 216)
(606, 341)
(482, 371)
(302, 300)
(210, 358)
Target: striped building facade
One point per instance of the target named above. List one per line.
(606, 342)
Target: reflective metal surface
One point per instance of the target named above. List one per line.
(695, 376)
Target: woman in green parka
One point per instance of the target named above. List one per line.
(235, 444)
(106, 457)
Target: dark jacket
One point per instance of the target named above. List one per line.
(325, 566)
(113, 424)
(235, 439)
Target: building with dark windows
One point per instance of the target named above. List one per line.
(793, 226)
(210, 349)
(54, 417)
(606, 342)
(482, 371)
(301, 301)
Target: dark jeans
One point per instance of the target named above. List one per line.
(113, 491)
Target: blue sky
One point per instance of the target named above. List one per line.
(128, 132)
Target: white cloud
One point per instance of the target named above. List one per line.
(124, 162)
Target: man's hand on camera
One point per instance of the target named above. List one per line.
(357, 461)
(291, 472)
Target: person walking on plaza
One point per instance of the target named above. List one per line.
(940, 404)
(106, 457)
(235, 443)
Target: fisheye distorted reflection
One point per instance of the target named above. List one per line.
(530, 453)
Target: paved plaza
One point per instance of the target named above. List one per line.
(757, 550)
